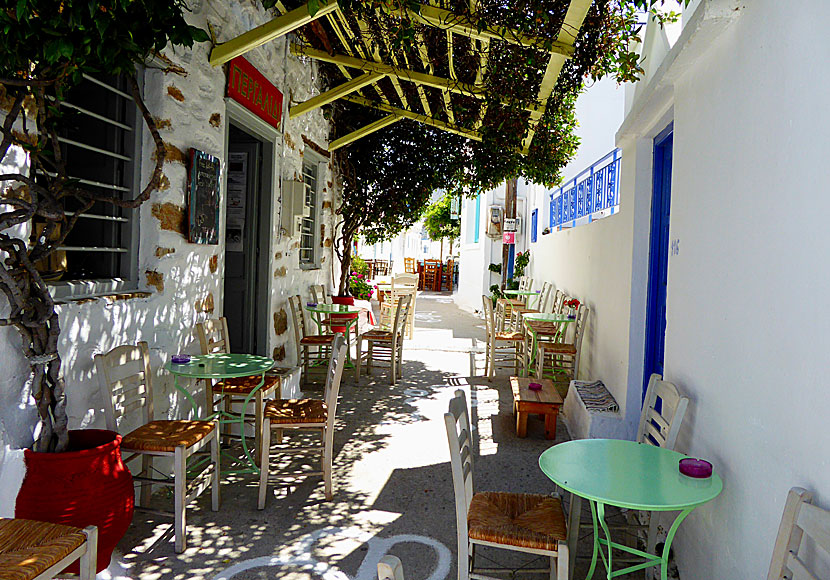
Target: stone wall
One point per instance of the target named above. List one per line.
(180, 283)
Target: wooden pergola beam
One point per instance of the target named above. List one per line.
(574, 17)
(279, 26)
(337, 92)
(437, 123)
(479, 30)
(363, 131)
(400, 73)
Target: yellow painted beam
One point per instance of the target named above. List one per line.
(333, 94)
(279, 26)
(446, 94)
(400, 73)
(363, 131)
(364, 33)
(359, 46)
(438, 124)
(475, 28)
(574, 17)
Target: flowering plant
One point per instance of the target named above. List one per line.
(359, 286)
(572, 303)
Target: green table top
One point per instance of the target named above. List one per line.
(626, 474)
(547, 317)
(522, 292)
(221, 366)
(333, 309)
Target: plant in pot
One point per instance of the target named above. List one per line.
(495, 268)
(72, 477)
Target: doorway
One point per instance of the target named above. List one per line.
(658, 268)
(246, 235)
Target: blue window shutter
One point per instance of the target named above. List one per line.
(477, 229)
(534, 223)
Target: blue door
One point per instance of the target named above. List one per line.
(658, 268)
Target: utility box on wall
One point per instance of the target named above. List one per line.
(294, 208)
(495, 215)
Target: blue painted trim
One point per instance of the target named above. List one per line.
(477, 229)
(511, 260)
(534, 225)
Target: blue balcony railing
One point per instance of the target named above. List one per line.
(592, 194)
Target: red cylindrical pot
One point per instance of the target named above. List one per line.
(348, 301)
(86, 485)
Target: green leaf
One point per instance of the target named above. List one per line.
(21, 9)
(313, 7)
(199, 34)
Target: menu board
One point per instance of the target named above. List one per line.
(203, 198)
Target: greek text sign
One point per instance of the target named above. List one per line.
(249, 87)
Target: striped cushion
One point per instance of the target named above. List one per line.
(28, 548)
(296, 411)
(517, 519)
(244, 385)
(165, 436)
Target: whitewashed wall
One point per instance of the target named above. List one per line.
(189, 279)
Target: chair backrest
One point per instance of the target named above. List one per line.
(334, 374)
(557, 302)
(409, 266)
(125, 382)
(544, 296)
(660, 427)
(525, 283)
(460, 439)
(801, 518)
(298, 318)
(405, 280)
(213, 335)
(319, 294)
(401, 314)
(489, 315)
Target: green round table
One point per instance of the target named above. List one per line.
(629, 475)
(532, 338)
(528, 293)
(220, 366)
(334, 309)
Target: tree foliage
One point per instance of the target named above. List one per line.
(439, 222)
(46, 48)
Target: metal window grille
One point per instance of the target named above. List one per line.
(308, 250)
(99, 142)
(591, 195)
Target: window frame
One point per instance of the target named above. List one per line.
(317, 242)
(127, 281)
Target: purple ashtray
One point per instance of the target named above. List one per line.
(180, 359)
(534, 386)
(311, 304)
(698, 468)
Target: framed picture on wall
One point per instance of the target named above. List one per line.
(203, 198)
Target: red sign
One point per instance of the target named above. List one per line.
(250, 88)
(508, 238)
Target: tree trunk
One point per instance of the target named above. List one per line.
(441, 251)
(345, 267)
(509, 212)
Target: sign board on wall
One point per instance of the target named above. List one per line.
(249, 87)
(508, 238)
(510, 224)
(455, 208)
(203, 198)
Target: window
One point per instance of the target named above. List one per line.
(591, 195)
(534, 224)
(309, 254)
(100, 145)
(477, 225)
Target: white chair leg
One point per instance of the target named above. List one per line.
(179, 498)
(393, 364)
(146, 486)
(89, 559)
(217, 472)
(328, 443)
(463, 558)
(264, 465)
(561, 563)
(359, 348)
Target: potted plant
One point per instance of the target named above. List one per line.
(72, 477)
(494, 268)
(359, 287)
(572, 305)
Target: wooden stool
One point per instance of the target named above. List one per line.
(546, 401)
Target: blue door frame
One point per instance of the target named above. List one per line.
(658, 266)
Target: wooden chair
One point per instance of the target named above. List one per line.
(559, 361)
(406, 284)
(517, 312)
(305, 415)
(214, 338)
(312, 349)
(432, 275)
(124, 377)
(503, 348)
(386, 344)
(800, 518)
(529, 523)
(409, 266)
(32, 550)
(447, 275)
(320, 295)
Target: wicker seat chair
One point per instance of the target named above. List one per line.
(559, 361)
(521, 522)
(386, 345)
(312, 349)
(293, 415)
(125, 381)
(32, 550)
(503, 349)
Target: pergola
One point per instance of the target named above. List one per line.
(427, 84)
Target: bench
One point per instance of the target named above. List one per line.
(547, 401)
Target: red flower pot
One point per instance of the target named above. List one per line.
(86, 485)
(348, 301)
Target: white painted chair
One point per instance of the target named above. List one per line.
(385, 345)
(528, 523)
(124, 377)
(33, 550)
(312, 349)
(287, 415)
(390, 567)
(503, 349)
(402, 285)
(518, 312)
(800, 518)
(559, 361)
(320, 295)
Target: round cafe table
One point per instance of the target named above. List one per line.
(532, 335)
(629, 475)
(348, 323)
(220, 366)
(528, 293)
